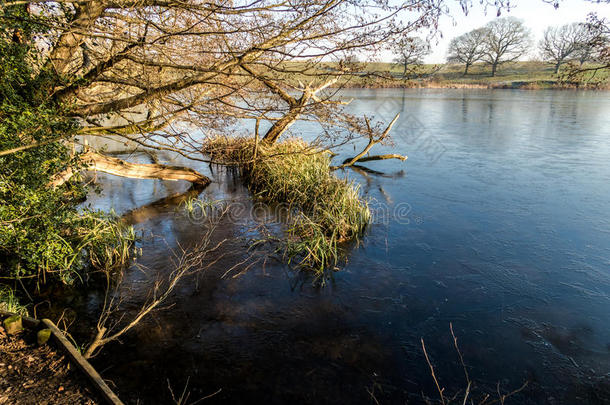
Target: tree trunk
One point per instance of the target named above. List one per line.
(280, 126)
(494, 67)
(69, 41)
(404, 71)
(296, 107)
(557, 65)
(95, 344)
(466, 70)
(96, 162)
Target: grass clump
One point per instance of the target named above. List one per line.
(10, 303)
(99, 240)
(85, 242)
(325, 211)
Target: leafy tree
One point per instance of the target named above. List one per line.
(467, 48)
(40, 229)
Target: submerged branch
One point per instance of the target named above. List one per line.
(373, 140)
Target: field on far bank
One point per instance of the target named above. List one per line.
(529, 75)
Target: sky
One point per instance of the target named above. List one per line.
(536, 14)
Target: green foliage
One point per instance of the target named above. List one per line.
(10, 303)
(41, 230)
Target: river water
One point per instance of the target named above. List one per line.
(497, 224)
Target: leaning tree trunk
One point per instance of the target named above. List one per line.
(295, 106)
(557, 66)
(466, 70)
(281, 126)
(97, 162)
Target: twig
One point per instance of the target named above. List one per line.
(438, 387)
(455, 343)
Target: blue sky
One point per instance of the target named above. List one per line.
(536, 14)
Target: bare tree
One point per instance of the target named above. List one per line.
(587, 49)
(410, 51)
(595, 48)
(595, 40)
(297, 106)
(150, 72)
(467, 48)
(507, 40)
(563, 43)
(375, 136)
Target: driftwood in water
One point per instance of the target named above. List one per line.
(97, 162)
(377, 157)
(373, 140)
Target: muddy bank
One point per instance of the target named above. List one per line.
(32, 374)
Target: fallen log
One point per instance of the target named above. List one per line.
(94, 161)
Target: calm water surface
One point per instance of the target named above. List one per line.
(505, 233)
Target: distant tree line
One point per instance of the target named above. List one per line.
(507, 39)
(501, 41)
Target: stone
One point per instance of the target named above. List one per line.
(43, 336)
(13, 324)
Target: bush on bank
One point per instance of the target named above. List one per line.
(43, 235)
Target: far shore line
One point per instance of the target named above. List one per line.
(508, 85)
(525, 75)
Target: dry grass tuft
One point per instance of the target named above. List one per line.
(329, 211)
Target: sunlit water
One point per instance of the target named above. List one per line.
(503, 231)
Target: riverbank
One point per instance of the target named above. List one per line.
(432, 83)
(519, 75)
(436, 84)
